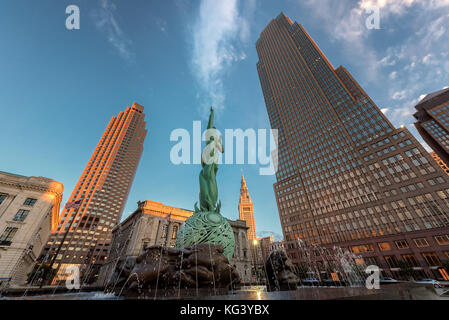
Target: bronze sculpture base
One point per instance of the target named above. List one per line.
(162, 272)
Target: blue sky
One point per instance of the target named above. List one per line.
(59, 88)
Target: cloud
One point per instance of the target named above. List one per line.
(263, 234)
(219, 36)
(399, 95)
(106, 22)
(161, 24)
(393, 75)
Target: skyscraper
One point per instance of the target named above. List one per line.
(440, 162)
(346, 175)
(432, 115)
(246, 210)
(103, 190)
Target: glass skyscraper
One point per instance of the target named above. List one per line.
(346, 175)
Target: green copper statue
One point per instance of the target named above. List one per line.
(207, 225)
(209, 163)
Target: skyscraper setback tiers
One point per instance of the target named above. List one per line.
(103, 190)
(346, 175)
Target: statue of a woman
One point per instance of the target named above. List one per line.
(209, 163)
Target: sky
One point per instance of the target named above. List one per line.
(59, 88)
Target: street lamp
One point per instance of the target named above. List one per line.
(255, 243)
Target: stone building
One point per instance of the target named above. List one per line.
(29, 210)
(265, 244)
(242, 255)
(154, 223)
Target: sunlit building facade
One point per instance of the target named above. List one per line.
(246, 210)
(440, 162)
(103, 190)
(346, 176)
(29, 209)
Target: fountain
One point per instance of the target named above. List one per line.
(199, 265)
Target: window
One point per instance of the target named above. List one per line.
(442, 240)
(371, 261)
(401, 244)
(431, 259)
(21, 215)
(363, 248)
(384, 246)
(29, 202)
(8, 234)
(2, 198)
(175, 232)
(411, 260)
(392, 261)
(421, 242)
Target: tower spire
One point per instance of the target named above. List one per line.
(246, 210)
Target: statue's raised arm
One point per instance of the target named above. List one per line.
(210, 124)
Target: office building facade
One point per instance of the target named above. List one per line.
(432, 115)
(103, 190)
(346, 177)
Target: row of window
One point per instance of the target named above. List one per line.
(401, 244)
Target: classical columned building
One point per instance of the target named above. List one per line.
(154, 223)
(346, 176)
(29, 210)
(101, 194)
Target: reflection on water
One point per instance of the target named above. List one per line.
(98, 295)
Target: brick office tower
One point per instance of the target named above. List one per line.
(246, 210)
(346, 176)
(440, 162)
(433, 122)
(103, 188)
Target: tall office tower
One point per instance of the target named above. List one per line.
(433, 122)
(346, 176)
(103, 189)
(246, 210)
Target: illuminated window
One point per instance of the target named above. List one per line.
(384, 246)
(363, 248)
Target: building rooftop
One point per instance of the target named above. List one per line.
(431, 100)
